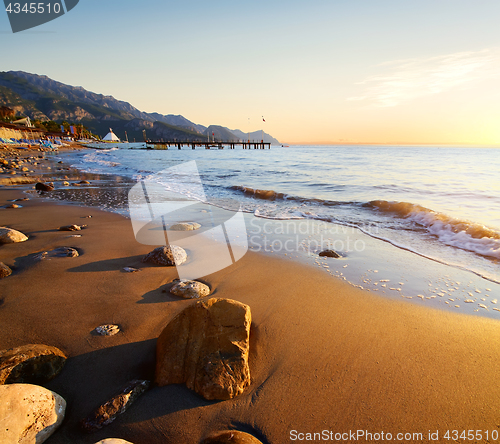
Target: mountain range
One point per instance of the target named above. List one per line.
(42, 98)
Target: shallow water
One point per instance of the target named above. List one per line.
(440, 202)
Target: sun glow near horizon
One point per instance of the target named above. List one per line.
(323, 72)
(447, 99)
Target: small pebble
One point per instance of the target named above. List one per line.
(72, 227)
(107, 330)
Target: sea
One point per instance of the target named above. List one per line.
(440, 203)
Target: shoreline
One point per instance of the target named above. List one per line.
(378, 266)
(353, 360)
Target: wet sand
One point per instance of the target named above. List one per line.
(324, 355)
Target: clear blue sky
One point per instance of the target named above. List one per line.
(318, 71)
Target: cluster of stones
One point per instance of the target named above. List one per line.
(17, 164)
(29, 412)
(205, 347)
(9, 236)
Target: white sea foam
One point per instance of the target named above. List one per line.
(458, 233)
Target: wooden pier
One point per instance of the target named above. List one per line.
(207, 145)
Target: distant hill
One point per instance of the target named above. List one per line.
(255, 135)
(220, 133)
(181, 121)
(42, 98)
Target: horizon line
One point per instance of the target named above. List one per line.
(448, 144)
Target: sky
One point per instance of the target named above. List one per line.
(337, 71)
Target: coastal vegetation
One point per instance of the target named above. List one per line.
(51, 103)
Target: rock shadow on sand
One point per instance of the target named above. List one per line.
(59, 253)
(90, 379)
(112, 265)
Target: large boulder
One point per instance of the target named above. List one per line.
(170, 255)
(29, 413)
(42, 187)
(10, 236)
(231, 437)
(190, 289)
(32, 363)
(106, 413)
(206, 347)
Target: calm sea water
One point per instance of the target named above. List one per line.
(440, 202)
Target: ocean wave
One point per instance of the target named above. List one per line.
(272, 195)
(100, 159)
(459, 233)
(260, 194)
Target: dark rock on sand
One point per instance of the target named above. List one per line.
(58, 252)
(84, 182)
(4, 270)
(106, 413)
(41, 188)
(189, 289)
(169, 256)
(72, 227)
(10, 236)
(231, 437)
(206, 347)
(29, 413)
(330, 253)
(32, 363)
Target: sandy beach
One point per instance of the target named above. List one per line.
(325, 357)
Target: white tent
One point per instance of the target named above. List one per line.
(26, 121)
(111, 137)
